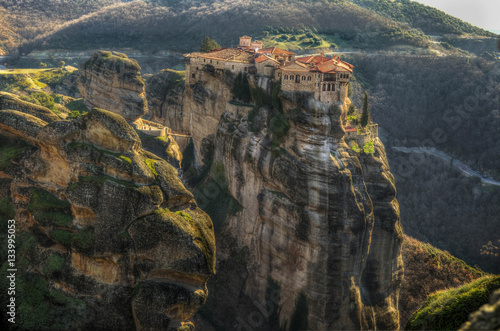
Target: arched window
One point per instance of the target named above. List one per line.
(309, 78)
(233, 67)
(333, 87)
(210, 61)
(328, 87)
(324, 87)
(204, 60)
(303, 77)
(286, 77)
(291, 77)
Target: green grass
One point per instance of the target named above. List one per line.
(7, 210)
(295, 39)
(17, 80)
(126, 159)
(63, 237)
(186, 216)
(447, 310)
(151, 165)
(44, 201)
(55, 264)
(55, 218)
(177, 78)
(84, 240)
(9, 152)
(77, 105)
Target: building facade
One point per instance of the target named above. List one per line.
(327, 78)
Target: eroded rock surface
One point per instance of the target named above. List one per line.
(112, 81)
(108, 235)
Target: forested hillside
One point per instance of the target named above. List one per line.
(172, 24)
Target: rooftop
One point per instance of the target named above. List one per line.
(319, 63)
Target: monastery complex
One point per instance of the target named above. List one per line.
(327, 78)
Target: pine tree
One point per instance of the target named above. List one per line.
(365, 117)
(208, 45)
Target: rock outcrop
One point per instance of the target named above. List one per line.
(164, 92)
(112, 81)
(108, 237)
(12, 102)
(320, 222)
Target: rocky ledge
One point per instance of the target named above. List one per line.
(108, 236)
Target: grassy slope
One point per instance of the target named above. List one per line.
(449, 309)
(428, 269)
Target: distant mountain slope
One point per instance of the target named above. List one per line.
(430, 20)
(144, 25)
(181, 25)
(7, 36)
(21, 21)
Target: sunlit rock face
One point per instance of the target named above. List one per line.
(112, 81)
(108, 235)
(320, 221)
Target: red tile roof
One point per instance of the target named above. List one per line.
(263, 58)
(350, 129)
(274, 50)
(321, 63)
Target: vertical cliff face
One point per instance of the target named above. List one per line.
(112, 81)
(107, 235)
(321, 222)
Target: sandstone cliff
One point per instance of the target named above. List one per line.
(112, 81)
(108, 236)
(319, 222)
(164, 92)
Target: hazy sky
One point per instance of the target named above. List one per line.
(482, 13)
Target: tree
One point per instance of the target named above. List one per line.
(62, 64)
(365, 117)
(208, 45)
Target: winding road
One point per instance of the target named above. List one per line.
(442, 155)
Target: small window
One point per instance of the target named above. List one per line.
(210, 61)
(286, 77)
(333, 87)
(197, 68)
(308, 78)
(233, 67)
(303, 77)
(328, 87)
(324, 87)
(291, 77)
(193, 76)
(204, 60)
(246, 69)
